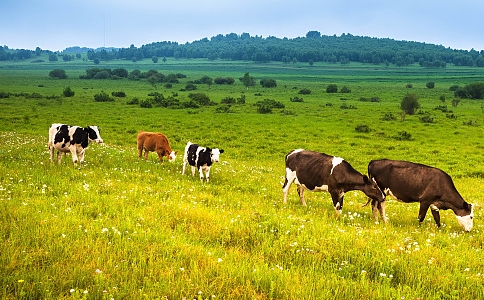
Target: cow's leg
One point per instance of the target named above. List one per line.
(424, 207)
(207, 173)
(59, 157)
(337, 197)
(140, 151)
(51, 152)
(378, 207)
(74, 156)
(200, 170)
(81, 156)
(435, 213)
(146, 154)
(183, 168)
(193, 170)
(290, 176)
(300, 191)
(160, 155)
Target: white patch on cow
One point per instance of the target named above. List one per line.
(215, 155)
(295, 151)
(338, 206)
(434, 207)
(467, 221)
(389, 192)
(336, 161)
(172, 156)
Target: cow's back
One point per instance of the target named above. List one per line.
(312, 168)
(409, 181)
(152, 141)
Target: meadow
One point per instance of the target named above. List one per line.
(120, 227)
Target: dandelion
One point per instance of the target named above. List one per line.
(182, 269)
(85, 292)
(104, 230)
(72, 291)
(98, 271)
(219, 260)
(20, 280)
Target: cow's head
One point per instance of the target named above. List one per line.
(467, 221)
(172, 156)
(93, 134)
(215, 154)
(372, 190)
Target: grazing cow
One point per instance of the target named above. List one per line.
(74, 139)
(201, 158)
(316, 171)
(411, 182)
(155, 142)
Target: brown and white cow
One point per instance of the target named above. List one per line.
(155, 142)
(74, 139)
(412, 182)
(316, 171)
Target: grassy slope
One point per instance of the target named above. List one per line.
(122, 227)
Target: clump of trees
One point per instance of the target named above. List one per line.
(58, 73)
(473, 90)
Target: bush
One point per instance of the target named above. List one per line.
(190, 87)
(223, 109)
(388, 117)
(345, 90)
(409, 104)
(426, 119)
(103, 97)
(68, 92)
(118, 94)
(228, 100)
(430, 84)
(409, 86)
(134, 101)
(200, 98)
(268, 83)
(362, 128)
(146, 104)
(403, 136)
(296, 99)
(241, 99)
(264, 109)
(270, 103)
(346, 106)
(453, 88)
(58, 73)
(4, 95)
(305, 91)
(332, 88)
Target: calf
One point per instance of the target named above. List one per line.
(200, 158)
(155, 142)
(320, 172)
(74, 139)
(411, 182)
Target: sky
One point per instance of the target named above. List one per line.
(58, 24)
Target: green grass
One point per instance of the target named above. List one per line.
(124, 228)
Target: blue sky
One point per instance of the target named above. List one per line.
(58, 24)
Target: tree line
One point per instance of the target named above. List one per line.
(312, 48)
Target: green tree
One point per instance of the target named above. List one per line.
(409, 104)
(332, 88)
(68, 92)
(58, 73)
(268, 83)
(247, 80)
(154, 59)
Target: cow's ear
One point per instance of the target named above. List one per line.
(366, 179)
(221, 150)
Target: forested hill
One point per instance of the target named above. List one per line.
(312, 48)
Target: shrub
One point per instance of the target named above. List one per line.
(223, 109)
(475, 90)
(134, 101)
(241, 99)
(470, 123)
(451, 116)
(409, 104)
(409, 85)
(4, 95)
(103, 97)
(453, 88)
(332, 88)
(388, 117)
(363, 128)
(68, 92)
(58, 73)
(268, 83)
(455, 102)
(442, 108)
(200, 98)
(346, 106)
(403, 136)
(426, 119)
(228, 100)
(305, 91)
(345, 90)
(145, 104)
(264, 109)
(430, 84)
(270, 103)
(296, 99)
(118, 94)
(190, 87)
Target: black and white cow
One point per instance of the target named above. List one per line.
(200, 158)
(412, 182)
(316, 172)
(74, 139)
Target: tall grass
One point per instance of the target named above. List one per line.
(121, 227)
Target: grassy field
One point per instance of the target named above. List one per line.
(120, 227)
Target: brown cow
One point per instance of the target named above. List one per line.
(155, 142)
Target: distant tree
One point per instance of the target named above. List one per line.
(409, 104)
(96, 61)
(164, 59)
(53, 57)
(121, 72)
(247, 80)
(68, 92)
(268, 83)
(430, 84)
(58, 73)
(311, 62)
(313, 34)
(332, 88)
(154, 59)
